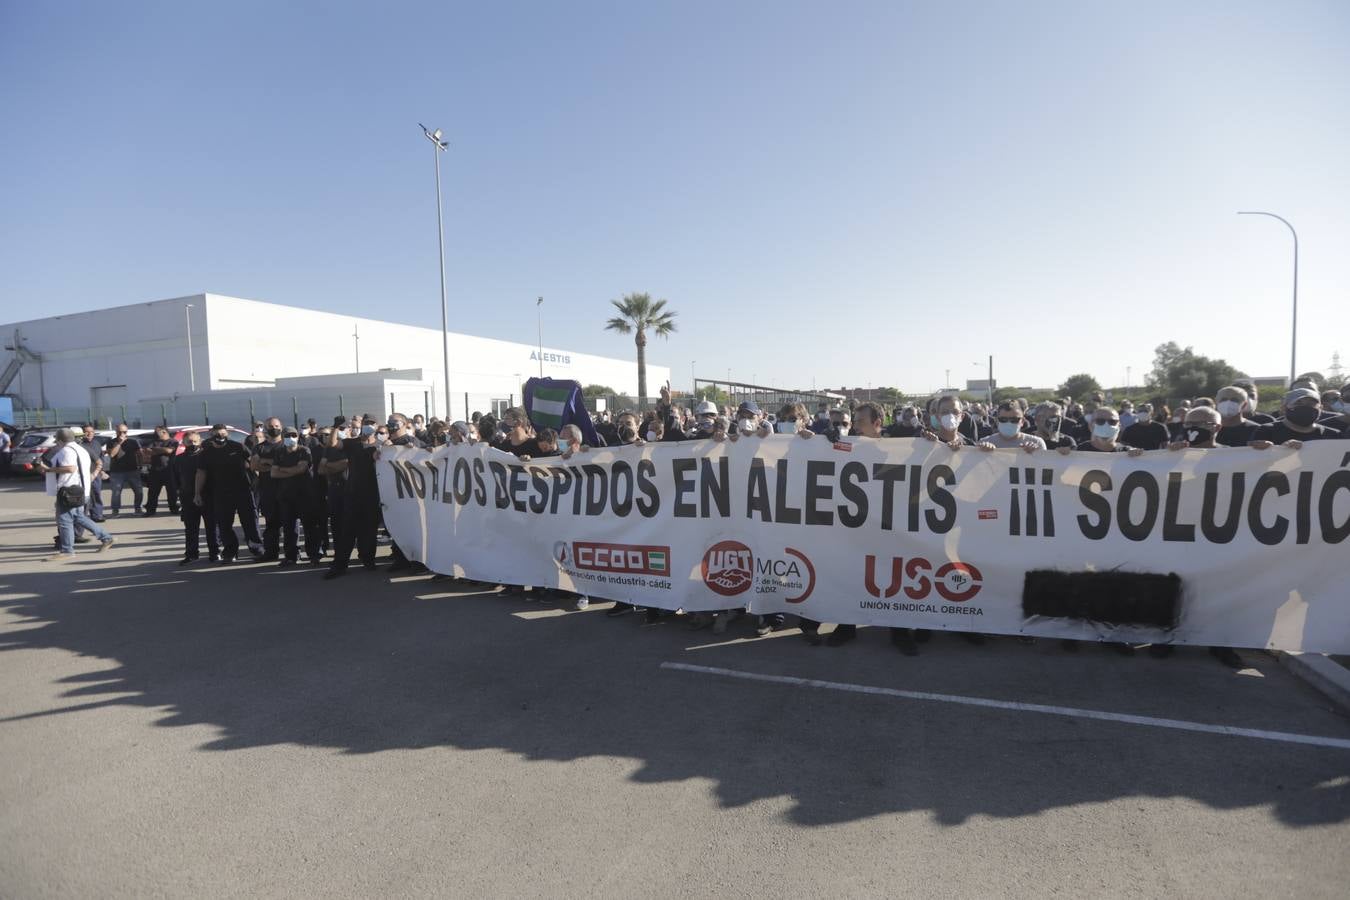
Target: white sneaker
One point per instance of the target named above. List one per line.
(583, 602)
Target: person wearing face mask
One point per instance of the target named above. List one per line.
(1048, 420)
(1148, 432)
(1127, 414)
(160, 453)
(93, 445)
(626, 430)
(124, 470)
(399, 433)
(945, 422)
(1335, 411)
(1302, 408)
(256, 437)
(906, 424)
(1234, 429)
(360, 499)
(290, 478)
(1174, 424)
(750, 422)
(1249, 410)
(1200, 430)
(186, 466)
(264, 456)
(1105, 431)
(221, 489)
(1008, 420)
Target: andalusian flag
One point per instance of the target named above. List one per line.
(551, 403)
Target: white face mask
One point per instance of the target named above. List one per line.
(1008, 429)
(950, 421)
(290, 442)
(1229, 408)
(304, 432)
(651, 436)
(1105, 432)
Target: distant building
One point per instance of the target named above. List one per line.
(133, 361)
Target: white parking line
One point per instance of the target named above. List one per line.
(1071, 712)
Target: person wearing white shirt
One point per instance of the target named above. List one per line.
(68, 475)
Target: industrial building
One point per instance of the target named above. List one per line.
(211, 357)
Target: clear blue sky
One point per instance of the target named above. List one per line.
(828, 192)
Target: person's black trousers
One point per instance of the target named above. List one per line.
(157, 479)
(223, 509)
(193, 516)
(360, 521)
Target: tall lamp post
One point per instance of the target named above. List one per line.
(539, 320)
(1293, 337)
(440, 146)
(192, 372)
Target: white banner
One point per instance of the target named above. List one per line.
(908, 533)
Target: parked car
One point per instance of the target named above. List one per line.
(29, 450)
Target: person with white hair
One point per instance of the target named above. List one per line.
(69, 481)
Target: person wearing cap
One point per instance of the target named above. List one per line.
(289, 476)
(705, 420)
(1048, 422)
(1302, 407)
(1336, 412)
(750, 422)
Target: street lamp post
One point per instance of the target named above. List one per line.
(356, 344)
(192, 372)
(539, 320)
(693, 382)
(440, 146)
(1293, 337)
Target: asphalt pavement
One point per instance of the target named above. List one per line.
(256, 731)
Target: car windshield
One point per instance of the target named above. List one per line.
(33, 440)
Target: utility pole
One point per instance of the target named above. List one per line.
(356, 344)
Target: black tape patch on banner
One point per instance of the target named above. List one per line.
(1116, 598)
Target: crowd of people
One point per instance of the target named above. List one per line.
(316, 486)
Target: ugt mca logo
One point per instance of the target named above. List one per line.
(728, 568)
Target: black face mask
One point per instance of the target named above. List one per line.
(1198, 435)
(1052, 425)
(274, 432)
(627, 434)
(218, 439)
(1302, 416)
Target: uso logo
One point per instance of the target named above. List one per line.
(728, 568)
(955, 582)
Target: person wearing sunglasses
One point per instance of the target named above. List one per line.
(1105, 425)
(1008, 434)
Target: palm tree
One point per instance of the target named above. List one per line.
(639, 314)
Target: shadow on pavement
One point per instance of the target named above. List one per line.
(363, 664)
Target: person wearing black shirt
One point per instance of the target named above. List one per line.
(93, 445)
(1234, 429)
(1105, 429)
(159, 454)
(1048, 421)
(289, 475)
(185, 466)
(221, 489)
(1253, 398)
(360, 500)
(906, 424)
(1149, 432)
(264, 457)
(124, 469)
(401, 435)
(948, 418)
(519, 438)
(1302, 407)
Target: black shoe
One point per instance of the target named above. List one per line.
(286, 563)
(1123, 649)
(187, 560)
(1159, 651)
(369, 566)
(267, 557)
(841, 636)
(333, 573)
(973, 637)
(1228, 656)
(174, 510)
(215, 558)
(99, 519)
(419, 568)
(653, 616)
(225, 560)
(399, 565)
(904, 642)
(922, 635)
(83, 539)
(813, 638)
(619, 609)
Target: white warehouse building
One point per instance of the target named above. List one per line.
(254, 358)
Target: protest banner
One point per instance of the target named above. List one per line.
(1225, 547)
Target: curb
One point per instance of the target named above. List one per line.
(1324, 674)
